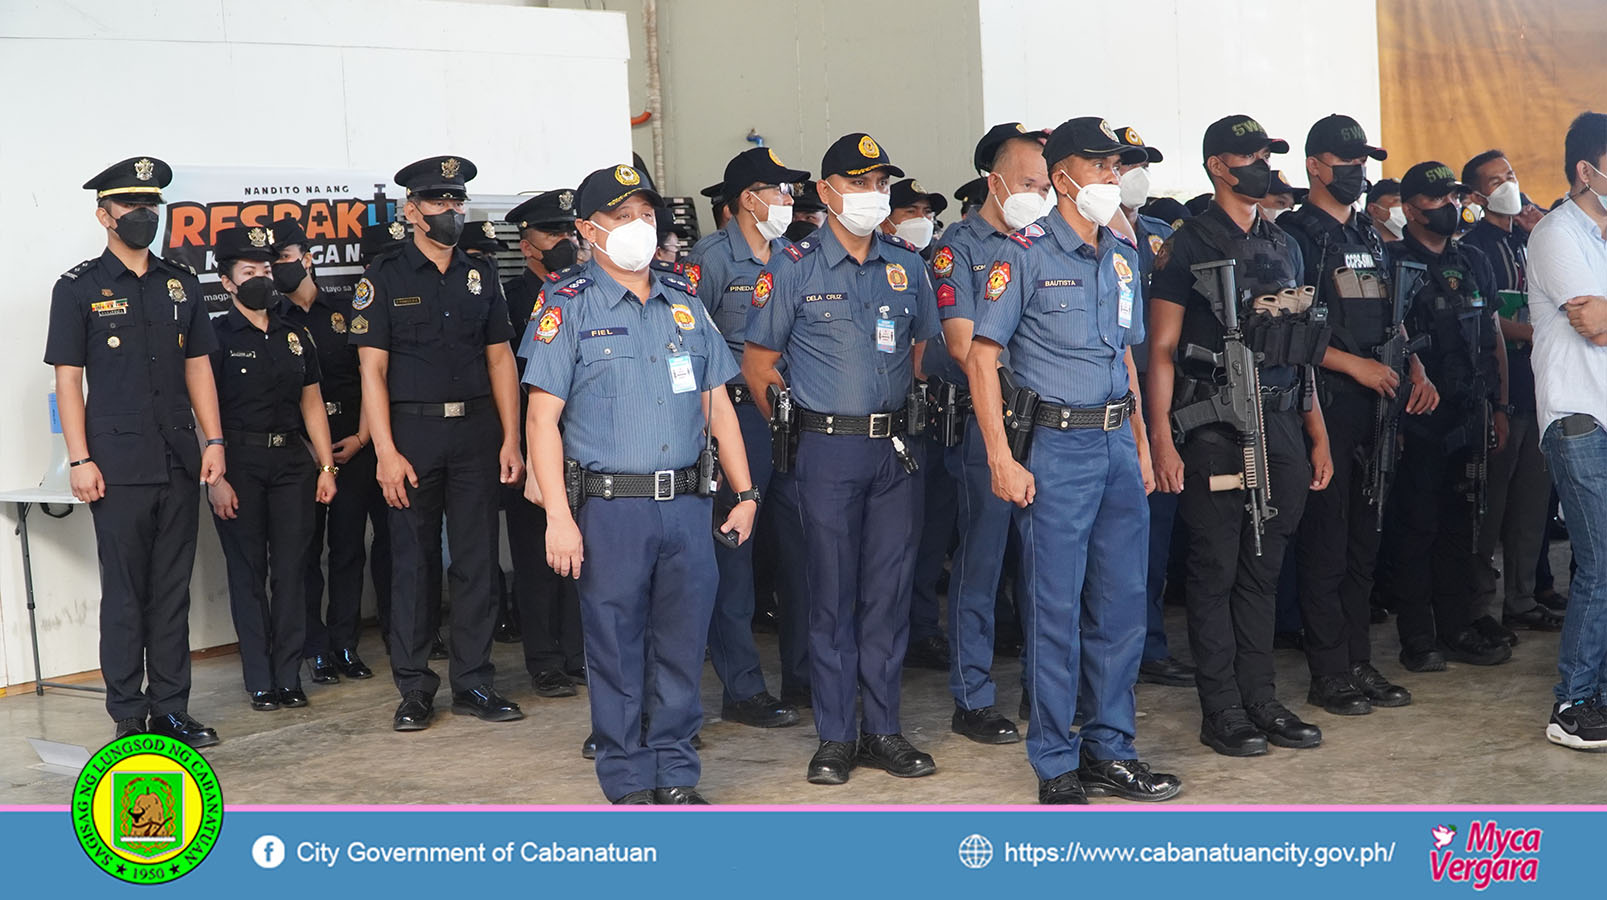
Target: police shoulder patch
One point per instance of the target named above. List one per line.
(73, 273)
(364, 296)
(762, 288)
(1163, 255)
(998, 280)
(943, 262)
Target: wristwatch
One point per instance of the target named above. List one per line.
(749, 494)
(333, 470)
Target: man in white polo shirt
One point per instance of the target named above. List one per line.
(1568, 308)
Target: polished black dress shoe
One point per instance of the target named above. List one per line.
(1467, 646)
(895, 755)
(1062, 790)
(1339, 695)
(1493, 632)
(323, 669)
(1129, 779)
(1230, 733)
(1377, 615)
(414, 712)
(507, 629)
(291, 698)
(1283, 727)
(438, 647)
(985, 726)
(485, 703)
(1551, 600)
(129, 728)
(1429, 660)
(348, 663)
(588, 747)
(760, 711)
(831, 763)
(264, 701)
(636, 798)
(1379, 690)
(679, 796)
(1166, 671)
(181, 727)
(1535, 618)
(798, 697)
(552, 683)
(928, 653)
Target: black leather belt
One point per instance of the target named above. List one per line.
(665, 484)
(262, 438)
(877, 425)
(739, 393)
(1107, 418)
(454, 410)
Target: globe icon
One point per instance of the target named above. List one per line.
(976, 852)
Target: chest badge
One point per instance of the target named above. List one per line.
(547, 326)
(998, 280)
(114, 342)
(684, 319)
(1155, 243)
(897, 278)
(1123, 270)
(175, 290)
(294, 342)
(106, 292)
(359, 325)
(474, 281)
(337, 323)
(943, 263)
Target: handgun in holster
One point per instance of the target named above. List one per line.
(574, 490)
(917, 409)
(1020, 410)
(783, 428)
(948, 416)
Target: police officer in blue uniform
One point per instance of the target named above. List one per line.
(331, 644)
(433, 336)
(1158, 666)
(630, 365)
(1065, 297)
(136, 323)
(267, 375)
(1017, 191)
(549, 612)
(723, 267)
(849, 310)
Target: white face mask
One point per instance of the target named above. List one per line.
(863, 211)
(1271, 213)
(917, 231)
(1023, 208)
(776, 220)
(630, 246)
(1506, 200)
(1098, 203)
(1135, 187)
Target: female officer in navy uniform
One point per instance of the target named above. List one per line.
(267, 375)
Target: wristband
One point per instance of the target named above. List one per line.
(333, 470)
(216, 442)
(78, 462)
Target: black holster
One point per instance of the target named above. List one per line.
(574, 489)
(1020, 411)
(783, 429)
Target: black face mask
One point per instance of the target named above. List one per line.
(137, 227)
(256, 293)
(560, 256)
(445, 227)
(287, 276)
(1443, 220)
(1347, 183)
(1254, 179)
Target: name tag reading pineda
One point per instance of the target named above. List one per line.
(681, 377)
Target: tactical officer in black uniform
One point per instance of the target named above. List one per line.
(331, 645)
(1434, 505)
(267, 375)
(1232, 569)
(137, 323)
(1337, 545)
(438, 374)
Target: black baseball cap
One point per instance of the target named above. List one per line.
(806, 198)
(287, 231)
(244, 242)
(1129, 136)
(1343, 137)
(714, 191)
(138, 179)
(1239, 134)
(1087, 136)
(1383, 188)
(757, 165)
(549, 208)
(380, 237)
(908, 191)
(856, 154)
(480, 236)
(606, 189)
(1430, 179)
(988, 147)
(973, 192)
(1167, 209)
(1281, 185)
(438, 178)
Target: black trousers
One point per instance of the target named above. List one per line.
(456, 463)
(1336, 548)
(549, 607)
(265, 549)
(1426, 566)
(1232, 593)
(344, 524)
(145, 542)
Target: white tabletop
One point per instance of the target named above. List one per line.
(37, 495)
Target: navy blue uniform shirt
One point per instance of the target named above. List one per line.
(260, 374)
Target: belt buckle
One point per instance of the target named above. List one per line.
(664, 484)
(881, 425)
(455, 410)
(276, 440)
(331, 408)
(1115, 414)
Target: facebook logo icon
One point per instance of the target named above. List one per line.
(268, 851)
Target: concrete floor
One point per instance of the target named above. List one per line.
(1473, 735)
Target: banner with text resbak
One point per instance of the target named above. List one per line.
(332, 205)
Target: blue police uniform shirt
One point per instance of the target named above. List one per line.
(631, 375)
(1152, 234)
(959, 275)
(723, 269)
(829, 317)
(1056, 303)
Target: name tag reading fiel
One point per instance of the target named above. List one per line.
(681, 378)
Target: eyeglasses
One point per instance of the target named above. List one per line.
(787, 189)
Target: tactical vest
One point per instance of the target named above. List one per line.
(1353, 285)
(1449, 308)
(1262, 267)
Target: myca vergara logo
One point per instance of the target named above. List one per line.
(147, 809)
(1490, 854)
